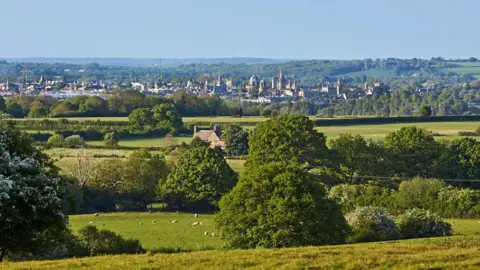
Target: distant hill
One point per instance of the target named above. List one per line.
(145, 62)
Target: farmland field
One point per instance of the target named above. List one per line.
(457, 252)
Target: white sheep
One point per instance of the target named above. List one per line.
(96, 214)
(174, 221)
(90, 223)
(201, 223)
(213, 234)
(141, 223)
(154, 222)
(479, 222)
(195, 223)
(196, 215)
(205, 233)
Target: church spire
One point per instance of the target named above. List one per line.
(219, 80)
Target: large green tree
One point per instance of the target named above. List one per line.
(360, 159)
(30, 194)
(415, 151)
(141, 118)
(167, 117)
(201, 174)
(288, 140)
(279, 206)
(236, 140)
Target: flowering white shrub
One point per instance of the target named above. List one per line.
(418, 223)
(370, 224)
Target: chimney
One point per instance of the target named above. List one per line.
(194, 130)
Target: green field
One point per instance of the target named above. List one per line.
(150, 142)
(465, 67)
(457, 252)
(448, 130)
(161, 234)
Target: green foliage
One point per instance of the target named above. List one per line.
(103, 242)
(415, 150)
(351, 197)
(419, 193)
(200, 174)
(74, 141)
(167, 117)
(38, 112)
(15, 110)
(425, 111)
(56, 140)
(419, 223)
(360, 158)
(141, 118)
(131, 182)
(455, 202)
(3, 105)
(30, 195)
(111, 139)
(236, 140)
(279, 206)
(370, 224)
(288, 140)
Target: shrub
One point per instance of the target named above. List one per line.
(420, 223)
(458, 203)
(102, 242)
(352, 196)
(74, 141)
(56, 140)
(111, 139)
(369, 224)
(419, 193)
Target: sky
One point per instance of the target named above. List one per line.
(281, 29)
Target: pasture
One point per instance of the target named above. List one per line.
(457, 252)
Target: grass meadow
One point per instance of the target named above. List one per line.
(457, 252)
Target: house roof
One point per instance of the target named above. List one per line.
(204, 134)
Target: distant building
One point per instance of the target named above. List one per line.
(214, 137)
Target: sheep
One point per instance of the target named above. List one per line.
(141, 223)
(201, 223)
(96, 215)
(174, 221)
(479, 222)
(196, 215)
(205, 233)
(453, 222)
(195, 223)
(90, 223)
(213, 234)
(154, 222)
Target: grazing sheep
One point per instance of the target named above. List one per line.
(201, 223)
(195, 223)
(196, 215)
(96, 214)
(213, 234)
(90, 223)
(154, 222)
(141, 223)
(174, 221)
(479, 222)
(205, 233)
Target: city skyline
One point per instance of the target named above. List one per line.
(282, 29)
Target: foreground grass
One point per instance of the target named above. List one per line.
(439, 253)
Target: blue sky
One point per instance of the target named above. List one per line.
(305, 29)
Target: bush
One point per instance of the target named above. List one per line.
(419, 193)
(56, 140)
(103, 242)
(111, 139)
(352, 196)
(458, 203)
(420, 223)
(369, 224)
(74, 141)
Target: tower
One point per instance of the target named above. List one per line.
(339, 86)
(219, 80)
(25, 76)
(6, 86)
(273, 82)
(280, 81)
(294, 86)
